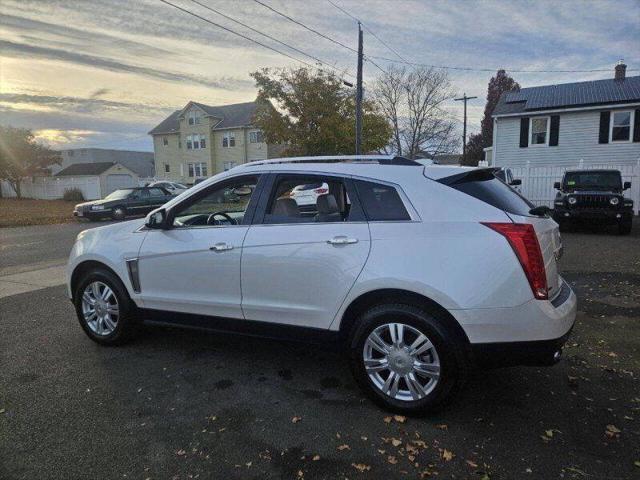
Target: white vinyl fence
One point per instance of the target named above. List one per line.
(51, 188)
(537, 181)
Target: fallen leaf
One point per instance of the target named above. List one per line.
(296, 419)
(387, 419)
(612, 431)
(248, 464)
(549, 433)
(442, 427)
(344, 447)
(1, 410)
(316, 458)
(400, 418)
(361, 467)
(392, 460)
(364, 439)
(637, 463)
(395, 442)
(447, 455)
(472, 464)
(181, 453)
(300, 474)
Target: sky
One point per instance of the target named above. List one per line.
(102, 73)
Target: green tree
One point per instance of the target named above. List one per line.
(314, 113)
(21, 156)
(499, 84)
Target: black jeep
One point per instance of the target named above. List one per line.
(594, 197)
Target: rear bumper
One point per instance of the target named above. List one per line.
(529, 334)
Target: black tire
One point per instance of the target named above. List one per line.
(119, 213)
(624, 227)
(127, 326)
(449, 347)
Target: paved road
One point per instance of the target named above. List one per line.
(34, 257)
(180, 404)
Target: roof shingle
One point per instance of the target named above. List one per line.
(235, 115)
(597, 92)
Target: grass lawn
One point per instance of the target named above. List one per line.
(20, 213)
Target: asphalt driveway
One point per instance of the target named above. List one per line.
(182, 404)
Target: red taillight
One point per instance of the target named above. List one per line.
(522, 238)
(321, 191)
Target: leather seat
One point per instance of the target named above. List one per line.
(328, 210)
(286, 207)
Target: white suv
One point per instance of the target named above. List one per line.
(423, 272)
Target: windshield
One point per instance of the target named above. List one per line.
(592, 181)
(119, 194)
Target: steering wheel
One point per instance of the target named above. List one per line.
(211, 219)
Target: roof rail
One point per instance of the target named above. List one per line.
(380, 159)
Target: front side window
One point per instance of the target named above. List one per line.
(381, 202)
(539, 129)
(156, 192)
(304, 199)
(229, 140)
(220, 206)
(621, 126)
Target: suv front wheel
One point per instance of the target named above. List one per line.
(406, 359)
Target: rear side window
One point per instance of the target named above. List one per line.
(483, 185)
(381, 202)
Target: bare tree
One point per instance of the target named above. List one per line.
(414, 104)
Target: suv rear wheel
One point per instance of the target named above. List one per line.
(104, 309)
(405, 359)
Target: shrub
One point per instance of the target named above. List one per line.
(73, 195)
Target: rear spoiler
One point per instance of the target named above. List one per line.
(475, 175)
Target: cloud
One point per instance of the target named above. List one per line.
(18, 50)
(99, 92)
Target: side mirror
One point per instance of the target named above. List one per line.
(157, 220)
(626, 186)
(556, 185)
(516, 181)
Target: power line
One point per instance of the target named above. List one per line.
(313, 30)
(368, 30)
(237, 33)
(284, 15)
(474, 69)
(268, 36)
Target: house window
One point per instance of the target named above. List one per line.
(202, 142)
(229, 139)
(621, 126)
(539, 131)
(198, 169)
(167, 169)
(194, 117)
(179, 143)
(255, 137)
(189, 142)
(229, 165)
(165, 141)
(196, 141)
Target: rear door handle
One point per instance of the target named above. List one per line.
(221, 247)
(342, 240)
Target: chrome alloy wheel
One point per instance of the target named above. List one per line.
(401, 361)
(100, 308)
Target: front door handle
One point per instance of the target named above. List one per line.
(342, 240)
(221, 247)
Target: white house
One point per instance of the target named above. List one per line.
(540, 132)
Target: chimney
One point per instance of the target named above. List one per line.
(621, 70)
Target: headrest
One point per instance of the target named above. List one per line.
(327, 204)
(286, 207)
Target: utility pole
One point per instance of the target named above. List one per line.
(359, 94)
(464, 126)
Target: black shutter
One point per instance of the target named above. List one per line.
(636, 126)
(554, 134)
(604, 127)
(524, 132)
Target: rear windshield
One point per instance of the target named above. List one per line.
(592, 180)
(483, 185)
